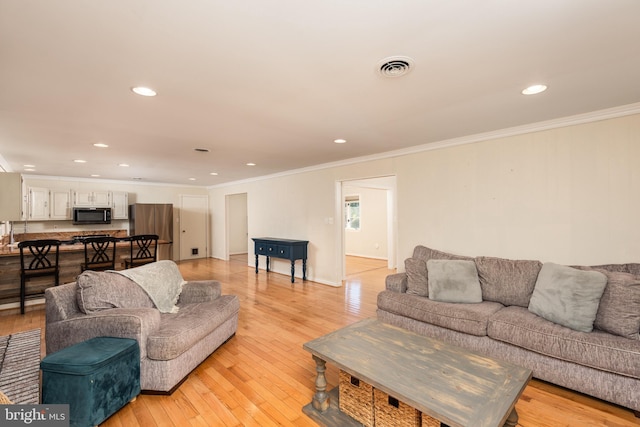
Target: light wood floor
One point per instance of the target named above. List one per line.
(263, 377)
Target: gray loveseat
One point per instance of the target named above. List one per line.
(510, 320)
(197, 319)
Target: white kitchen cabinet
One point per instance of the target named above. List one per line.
(10, 196)
(60, 204)
(120, 209)
(92, 198)
(38, 203)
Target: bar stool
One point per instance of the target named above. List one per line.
(99, 253)
(143, 250)
(40, 260)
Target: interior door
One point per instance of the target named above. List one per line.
(194, 228)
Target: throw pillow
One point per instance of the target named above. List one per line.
(509, 282)
(619, 309)
(453, 281)
(567, 296)
(98, 290)
(416, 270)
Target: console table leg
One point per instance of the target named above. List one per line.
(268, 262)
(304, 269)
(293, 270)
(320, 400)
(512, 420)
(256, 263)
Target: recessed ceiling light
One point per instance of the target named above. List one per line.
(339, 141)
(137, 178)
(192, 179)
(534, 89)
(29, 166)
(124, 165)
(95, 175)
(100, 145)
(214, 173)
(144, 91)
(251, 164)
(80, 161)
(30, 170)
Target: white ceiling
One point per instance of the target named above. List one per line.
(275, 82)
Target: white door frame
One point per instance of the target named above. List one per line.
(392, 225)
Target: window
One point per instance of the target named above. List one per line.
(352, 213)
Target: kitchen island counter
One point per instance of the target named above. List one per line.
(71, 257)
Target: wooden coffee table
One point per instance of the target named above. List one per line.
(448, 383)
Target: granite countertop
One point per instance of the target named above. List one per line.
(64, 236)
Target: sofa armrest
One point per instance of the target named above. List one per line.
(396, 282)
(135, 323)
(200, 291)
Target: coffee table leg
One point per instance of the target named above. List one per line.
(512, 419)
(320, 400)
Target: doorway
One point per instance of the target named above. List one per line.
(194, 214)
(237, 228)
(368, 229)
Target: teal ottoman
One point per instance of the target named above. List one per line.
(96, 378)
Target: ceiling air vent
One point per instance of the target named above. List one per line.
(395, 66)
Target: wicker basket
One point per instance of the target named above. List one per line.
(4, 400)
(356, 399)
(390, 412)
(428, 421)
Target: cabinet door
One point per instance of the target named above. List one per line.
(60, 204)
(92, 198)
(120, 205)
(38, 203)
(10, 196)
(102, 198)
(82, 198)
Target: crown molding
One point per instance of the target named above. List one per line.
(594, 116)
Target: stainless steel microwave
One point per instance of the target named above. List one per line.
(92, 215)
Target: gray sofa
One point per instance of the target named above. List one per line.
(196, 320)
(510, 321)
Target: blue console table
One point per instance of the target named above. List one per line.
(282, 248)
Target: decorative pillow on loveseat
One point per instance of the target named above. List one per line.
(568, 296)
(98, 290)
(453, 281)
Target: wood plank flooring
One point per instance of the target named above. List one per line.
(263, 377)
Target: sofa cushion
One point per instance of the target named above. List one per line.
(619, 309)
(425, 253)
(467, 318)
(599, 350)
(453, 281)
(509, 282)
(416, 270)
(102, 290)
(568, 296)
(179, 331)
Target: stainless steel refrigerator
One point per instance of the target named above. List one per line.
(153, 218)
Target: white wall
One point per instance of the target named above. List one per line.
(568, 195)
(371, 240)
